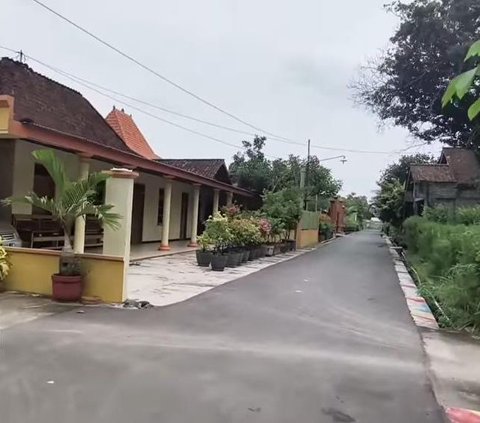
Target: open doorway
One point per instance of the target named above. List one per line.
(137, 213)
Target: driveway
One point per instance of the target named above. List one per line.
(325, 337)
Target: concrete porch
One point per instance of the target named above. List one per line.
(148, 250)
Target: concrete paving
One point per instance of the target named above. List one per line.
(168, 280)
(325, 337)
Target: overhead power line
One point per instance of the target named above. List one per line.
(279, 138)
(96, 87)
(152, 71)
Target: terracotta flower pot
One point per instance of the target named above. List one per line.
(204, 258)
(67, 288)
(219, 262)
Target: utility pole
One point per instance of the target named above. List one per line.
(307, 171)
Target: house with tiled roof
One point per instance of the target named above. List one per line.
(452, 182)
(170, 198)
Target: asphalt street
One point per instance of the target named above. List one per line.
(323, 338)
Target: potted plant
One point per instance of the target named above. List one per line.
(73, 199)
(204, 254)
(219, 234)
(4, 266)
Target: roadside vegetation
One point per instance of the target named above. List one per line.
(444, 252)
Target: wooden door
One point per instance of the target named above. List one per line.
(184, 216)
(137, 213)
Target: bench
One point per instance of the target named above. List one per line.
(43, 231)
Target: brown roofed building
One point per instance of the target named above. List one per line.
(453, 182)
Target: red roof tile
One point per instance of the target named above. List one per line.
(124, 125)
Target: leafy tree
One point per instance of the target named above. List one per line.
(250, 169)
(389, 203)
(358, 204)
(284, 206)
(405, 84)
(465, 83)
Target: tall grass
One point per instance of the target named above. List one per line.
(447, 258)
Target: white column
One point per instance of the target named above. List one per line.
(216, 200)
(196, 202)
(167, 202)
(79, 239)
(119, 193)
(229, 198)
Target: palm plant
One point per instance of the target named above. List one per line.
(73, 199)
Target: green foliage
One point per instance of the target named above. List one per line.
(352, 225)
(465, 83)
(218, 232)
(251, 170)
(468, 215)
(358, 204)
(447, 258)
(439, 214)
(73, 199)
(389, 202)
(283, 206)
(403, 85)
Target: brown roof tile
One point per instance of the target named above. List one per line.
(128, 131)
(463, 164)
(209, 168)
(431, 173)
(47, 103)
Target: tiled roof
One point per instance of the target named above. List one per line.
(128, 131)
(463, 164)
(44, 102)
(209, 168)
(431, 173)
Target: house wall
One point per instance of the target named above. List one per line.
(24, 167)
(7, 155)
(23, 179)
(151, 230)
(32, 271)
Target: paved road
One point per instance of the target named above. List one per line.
(323, 338)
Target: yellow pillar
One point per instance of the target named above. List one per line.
(119, 192)
(196, 202)
(229, 198)
(79, 239)
(216, 200)
(167, 201)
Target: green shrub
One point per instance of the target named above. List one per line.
(468, 215)
(447, 260)
(439, 214)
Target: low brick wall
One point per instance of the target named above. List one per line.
(32, 269)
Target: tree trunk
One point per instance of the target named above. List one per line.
(67, 243)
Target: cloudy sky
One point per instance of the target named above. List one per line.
(283, 66)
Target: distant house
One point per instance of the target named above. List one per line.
(453, 182)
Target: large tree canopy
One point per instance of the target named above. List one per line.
(250, 169)
(405, 85)
(389, 199)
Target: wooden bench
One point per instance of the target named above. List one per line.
(44, 232)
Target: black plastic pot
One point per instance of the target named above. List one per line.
(238, 257)
(246, 256)
(232, 260)
(219, 261)
(204, 258)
